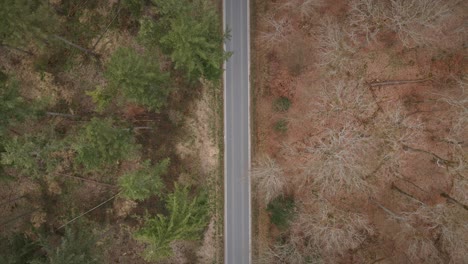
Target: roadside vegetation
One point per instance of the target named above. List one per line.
(100, 153)
(360, 132)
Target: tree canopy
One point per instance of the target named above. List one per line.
(139, 78)
(141, 184)
(100, 144)
(189, 32)
(23, 20)
(186, 220)
(12, 105)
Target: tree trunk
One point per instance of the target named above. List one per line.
(60, 114)
(17, 49)
(454, 200)
(87, 51)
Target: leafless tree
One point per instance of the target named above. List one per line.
(416, 21)
(334, 51)
(341, 160)
(338, 98)
(367, 17)
(305, 8)
(269, 177)
(448, 221)
(330, 230)
(288, 252)
(417, 245)
(277, 30)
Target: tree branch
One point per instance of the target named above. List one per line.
(398, 82)
(89, 211)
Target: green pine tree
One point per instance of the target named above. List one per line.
(138, 78)
(19, 249)
(31, 154)
(186, 220)
(76, 247)
(141, 184)
(99, 144)
(24, 21)
(189, 32)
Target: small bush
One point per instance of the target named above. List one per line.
(282, 210)
(282, 104)
(281, 126)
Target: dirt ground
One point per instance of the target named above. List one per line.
(376, 133)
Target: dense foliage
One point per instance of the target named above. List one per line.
(189, 32)
(141, 184)
(138, 78)
(100, 144)
(281, 211)
(186, 219)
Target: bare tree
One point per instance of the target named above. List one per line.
(305, 8)
(449, 223)
(341, 161)
(338, 98)
(276, 32)
(334, 51)
(289, 252)
(269, 177)
(330, 230)
(416, 21)
(417, 245)
(367, 17)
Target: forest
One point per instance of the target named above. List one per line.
(110, 127)
(360, 133)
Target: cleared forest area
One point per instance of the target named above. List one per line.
(360, 131)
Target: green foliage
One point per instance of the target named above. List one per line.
(23, 20)
(18, 249)
(142, 183)
(76, 247)
(12, 105)
(282, 211)
(281, 126)
(101, 97)
(99, 144)
(31, 155)
(282, 104)
(139, 78)
(186, 220)
(189, 32)
(134, 6)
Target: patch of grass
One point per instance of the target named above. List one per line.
(282, 104)
(282, 211)
(281, 126)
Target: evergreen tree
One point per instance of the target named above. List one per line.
(186, 220)
(12, 106)
(25, 20)
(99, 144)
(18, 249)
(31, 155)
(142, 183)
(188, 32)
(139, 78)
(76, 247)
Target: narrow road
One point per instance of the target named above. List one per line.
(237, 209)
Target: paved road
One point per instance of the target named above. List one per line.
(237, 231)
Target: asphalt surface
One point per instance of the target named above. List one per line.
(237, 209)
